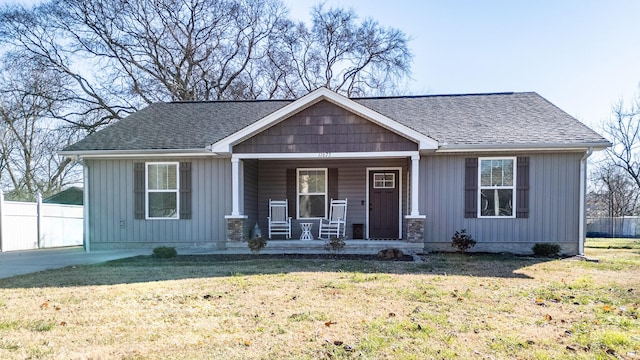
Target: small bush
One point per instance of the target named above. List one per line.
(334, 244)
(462, 241)
(546, 249)
(257, 244)
(164, 252)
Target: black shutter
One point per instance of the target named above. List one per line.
(185, 190)
(138, 190)
(291, 192)
(522, 188)
(471, 188)
(332, 187)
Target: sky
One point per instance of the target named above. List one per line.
(581, 55)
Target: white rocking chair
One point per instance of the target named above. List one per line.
(336, 224)
(279, 221)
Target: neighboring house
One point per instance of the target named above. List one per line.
(71, 196)
(508, 167)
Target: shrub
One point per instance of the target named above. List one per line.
(164, 252)
(546, 249)
(256, 244)
(334, 244)
(462, 241)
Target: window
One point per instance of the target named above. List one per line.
(162, 190)
(384, 180)
(312, 193)
(496, 187)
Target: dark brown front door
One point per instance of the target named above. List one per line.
(384, 204)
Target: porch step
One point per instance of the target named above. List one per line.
(317, 246)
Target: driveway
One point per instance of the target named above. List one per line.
(29, 261)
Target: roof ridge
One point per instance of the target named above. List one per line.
(446, 95)
(222, 101)
(503, 93)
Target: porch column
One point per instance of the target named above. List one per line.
(415, 221)
(415, 184)
(235, 221)
(235, 186)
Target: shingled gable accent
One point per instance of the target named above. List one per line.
(225, 145)
(323, 128)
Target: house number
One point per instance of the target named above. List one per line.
(324, 155)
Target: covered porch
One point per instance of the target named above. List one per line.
(382, 209)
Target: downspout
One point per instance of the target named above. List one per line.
(85, 206)
(583, 191)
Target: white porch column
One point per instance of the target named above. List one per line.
(235, 186)
(415, 184)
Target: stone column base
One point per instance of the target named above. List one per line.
(235, 227)
(415, 228)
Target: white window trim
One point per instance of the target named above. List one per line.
(147, 191)
(298, 193)
(512, 187)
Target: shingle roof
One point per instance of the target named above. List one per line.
(504, 119)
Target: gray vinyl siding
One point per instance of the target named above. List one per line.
(352, 184)
(111, 204)
(554, 201)
(325, 127)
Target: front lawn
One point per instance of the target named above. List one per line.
(449, 306)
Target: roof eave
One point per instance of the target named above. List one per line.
(148, 153)
(463, 148)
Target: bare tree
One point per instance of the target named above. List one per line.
(340, 53)
(30, 137)
(614, 192)
(123, 54)
(624, 133)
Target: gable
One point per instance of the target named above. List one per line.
(325, 127)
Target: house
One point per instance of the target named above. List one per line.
(508, 167)
(71, 196)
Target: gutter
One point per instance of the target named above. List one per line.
(582, 235)
(95, 154)
(461, 148)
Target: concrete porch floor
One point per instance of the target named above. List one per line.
(295, 246)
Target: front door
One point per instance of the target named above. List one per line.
(384, 204)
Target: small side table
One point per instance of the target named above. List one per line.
(306, 231)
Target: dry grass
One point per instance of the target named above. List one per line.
(613, 243)
(450, 306)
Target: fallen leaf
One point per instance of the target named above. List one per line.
(63, 323)
(606, 308)
(548, 317)
(329, 323)
(337, 342)
(57, 308)
(247, 343)
(44, 305)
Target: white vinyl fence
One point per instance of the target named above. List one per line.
(611, 227)
(26, 225)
